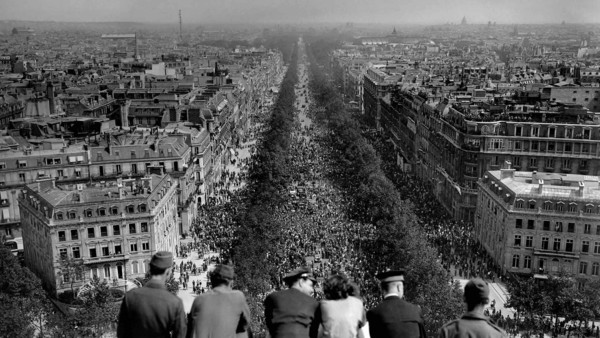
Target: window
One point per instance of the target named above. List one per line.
(519, 204)
(572, 207)
(558, 227)
(531, 204)
(597, 229)
(130, 209)
(62, 236)
(118, 169)
(585, 246)
(114, 211)
(91, 233)
(105, 251)
(132, 229)
(515, 261)
(535, 145)
(546, 225)
(144, 227)
(571, 227)
(587, 228)
(552, 132)
(133, 154)
(568, 146)
(92, 252)
(62, 253)
(118, 249)
(529, 242)
(530, 224)
(583, 268)
(535, 131)
(548, 205)
(589, 208)
(142, 208)
(518, 130)
(72, 215)
(101, 212)
(569, 245)
(116, 230)
(556, 246)
(22, 164)
(2, 165)
(145, 246)
(586, 134)
(596, 247)
(22, 177)
(66, 276)
(76, 253)
(60, 173)
(134, 267)
(545, 241)
(74, 235)
(595, 269)
(103, 231)
(77, 172)
(527, 262)
(560, 207)
(569, 133)
(550, 163)
(519, 223)
(517, 240)
(133, 247)
(566, 164)
(107, 271)
(59, 216)
(89, 213)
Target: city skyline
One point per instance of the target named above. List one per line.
(304, 11)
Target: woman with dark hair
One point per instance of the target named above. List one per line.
(342, 312)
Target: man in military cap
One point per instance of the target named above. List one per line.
(152, 311)
(293, 313)
(394, 317)
(473, 323)
(222, 311)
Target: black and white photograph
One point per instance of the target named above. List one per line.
(300, 168)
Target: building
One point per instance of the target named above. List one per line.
(540, 223)
(111, 229)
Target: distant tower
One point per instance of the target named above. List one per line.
(394, 31)
(464, 21)
(180, 27)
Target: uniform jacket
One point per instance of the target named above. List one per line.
(292, 314)
(151, 312)
(218, 313)
(395, 317)
(471, 324)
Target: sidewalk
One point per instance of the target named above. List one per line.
(188, 295)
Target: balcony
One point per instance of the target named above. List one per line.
(106, 259)
(584, 171)
(556, 253)
(565, 170)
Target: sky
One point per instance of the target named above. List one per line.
(304, 11)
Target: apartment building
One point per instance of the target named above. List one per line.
(111, 228)
(540, 223)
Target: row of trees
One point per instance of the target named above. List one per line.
(257, 232)
(398, 242)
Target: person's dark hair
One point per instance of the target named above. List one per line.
(154, 271)
(216, 279)
(353, 290)
(336, 287)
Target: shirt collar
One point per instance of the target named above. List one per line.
(393, 294)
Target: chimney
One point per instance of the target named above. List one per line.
(540, 186)
(125, 113)
(581, 188)
(507, 172)
(50, 95)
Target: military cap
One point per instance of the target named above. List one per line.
(162, 260)
(299, 273)
(391, 276)
(477, 290)
(223, 271)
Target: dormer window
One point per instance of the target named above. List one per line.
(89, 213)
(102, 212)
(59, 216)
(72, 214)
(130, 209)
(114, 210)
(142, 208)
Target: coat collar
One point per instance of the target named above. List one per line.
(155, 285)
(474, 315)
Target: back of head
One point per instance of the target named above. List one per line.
(336, 287)
(160, 262)
(477, 292)
(221, 275)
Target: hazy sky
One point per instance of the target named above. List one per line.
(299, 11)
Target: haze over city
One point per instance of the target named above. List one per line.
(304, 11)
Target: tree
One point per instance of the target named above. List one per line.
(72, 270)
(22, 299)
